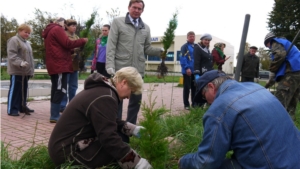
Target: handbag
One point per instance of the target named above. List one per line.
(94, 61)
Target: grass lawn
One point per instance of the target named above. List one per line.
(83, 76)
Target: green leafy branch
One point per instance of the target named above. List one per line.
(89, 46)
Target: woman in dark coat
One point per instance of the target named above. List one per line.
(89, 132)
(203, 60)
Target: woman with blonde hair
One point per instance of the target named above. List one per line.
(20, 67)
(95, 137)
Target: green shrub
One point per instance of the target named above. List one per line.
(4, 75)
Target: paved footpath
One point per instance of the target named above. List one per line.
(21, 132)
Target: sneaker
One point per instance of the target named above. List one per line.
(53, 121)
(187, 108)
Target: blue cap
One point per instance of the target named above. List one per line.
(203, 81)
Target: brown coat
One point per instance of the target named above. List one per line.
(75, 52)
(87, 131)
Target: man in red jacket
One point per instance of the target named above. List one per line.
(58, 61)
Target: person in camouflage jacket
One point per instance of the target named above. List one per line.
(285, 69)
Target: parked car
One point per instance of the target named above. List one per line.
(4, 64)
(39, 66)
(264, 74)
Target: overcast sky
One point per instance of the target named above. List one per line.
(221, 18)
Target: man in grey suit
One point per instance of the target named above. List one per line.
(129, 40)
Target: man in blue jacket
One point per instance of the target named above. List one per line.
(285, 69)
(245, 118)
(187, 69)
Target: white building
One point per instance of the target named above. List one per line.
(173, 58)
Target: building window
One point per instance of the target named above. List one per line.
(178, 55)
(170, 57)
(153, 58)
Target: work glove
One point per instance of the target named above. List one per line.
(143, 164)
(110, 71)
(197, 77)
(271, 81)
(136, 131)
(267, 85)
(24, 64)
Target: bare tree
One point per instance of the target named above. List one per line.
(264, 58)
(39, 23)
(247, 49)
(8, 29)
(112, 15)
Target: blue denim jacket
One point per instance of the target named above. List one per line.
(248, 119)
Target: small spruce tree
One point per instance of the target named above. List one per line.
(167, 41)
(152, 144)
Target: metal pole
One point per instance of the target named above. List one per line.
(147, 63)
(293, 42)
(242, 48)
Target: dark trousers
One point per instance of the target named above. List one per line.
(58, 87)
(14, 98)
(288, 92)
(133, 108)
(101, 69)
(188, 84)
(95, 156)
(247, 79)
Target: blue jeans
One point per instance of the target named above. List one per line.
(72, 81)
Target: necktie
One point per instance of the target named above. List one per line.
(135, 23)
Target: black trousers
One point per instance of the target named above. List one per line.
(14, 98)
(188, 84)
(133, 108)
(247, 79)
(58, 87)
(101, 69)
